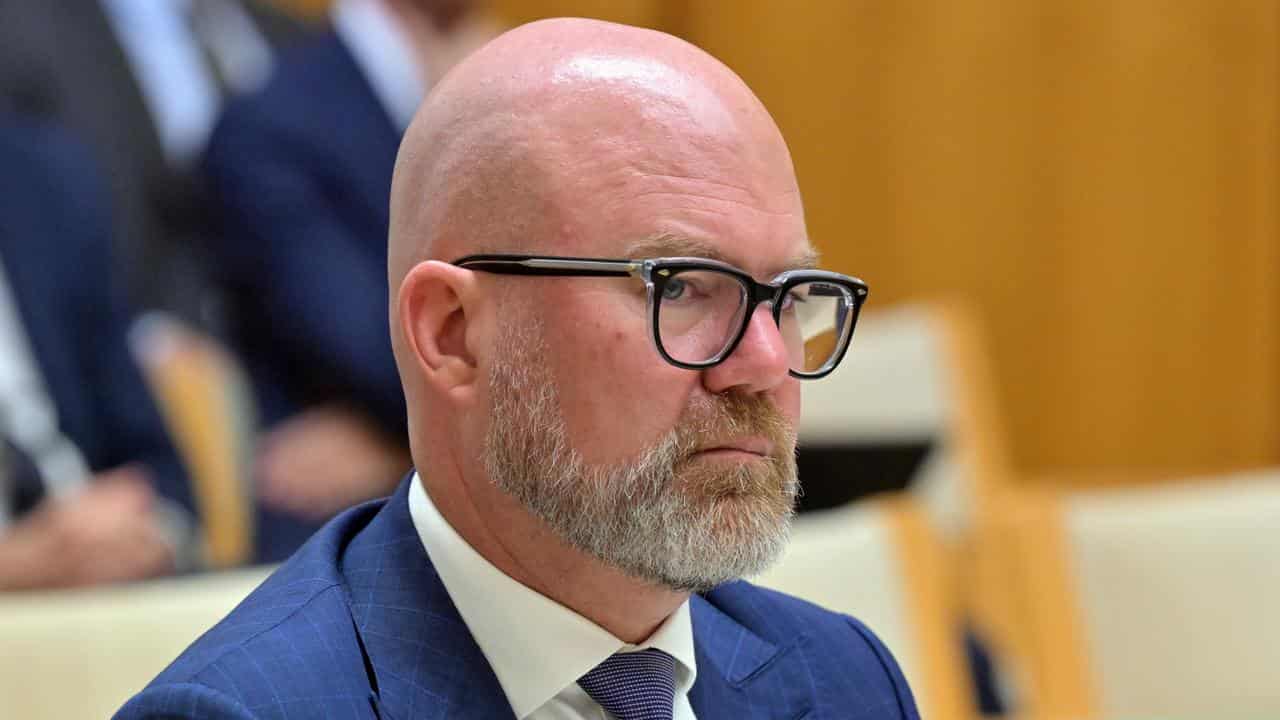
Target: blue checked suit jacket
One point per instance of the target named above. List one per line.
(358, 625)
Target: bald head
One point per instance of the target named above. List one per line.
(513, 136)
(589, 139)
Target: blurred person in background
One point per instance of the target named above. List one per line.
(142, 81)
(302, 171)
(91, 489)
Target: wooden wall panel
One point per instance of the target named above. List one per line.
(1100, 178)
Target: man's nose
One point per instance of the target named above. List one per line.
(759, 363)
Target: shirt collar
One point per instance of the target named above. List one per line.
(535, 646)
(384, 55)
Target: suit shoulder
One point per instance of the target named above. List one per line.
(292, 637)
(852, 660)
(306, 73)
(315, 100)
(182, 700)
(277, 612)
(775, 615)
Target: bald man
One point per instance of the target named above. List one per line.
(602, 305)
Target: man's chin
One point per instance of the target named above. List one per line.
(733, 565)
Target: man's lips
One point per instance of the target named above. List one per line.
(758, 446)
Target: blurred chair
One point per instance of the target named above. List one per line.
(916, 376)
(1158, 601)
(880, 562)
(208, 406)
(82, 653)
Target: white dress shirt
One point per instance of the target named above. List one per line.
(384, 55)
(537, 648)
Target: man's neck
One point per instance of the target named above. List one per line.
(529, 552)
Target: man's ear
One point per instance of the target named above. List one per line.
(436, 303)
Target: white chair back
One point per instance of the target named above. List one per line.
(916, 374)
(1179, 597)
(83, 653)
(890, 387)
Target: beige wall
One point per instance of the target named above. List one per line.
(1099, 177)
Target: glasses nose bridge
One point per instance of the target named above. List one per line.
(758, 292)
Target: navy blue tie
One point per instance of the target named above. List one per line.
(637, 685)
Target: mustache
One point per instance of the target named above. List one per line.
(716, 419)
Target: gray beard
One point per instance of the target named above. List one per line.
(682, 523)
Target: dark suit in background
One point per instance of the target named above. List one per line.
(302, 172)
(56, 250)
(62, 60)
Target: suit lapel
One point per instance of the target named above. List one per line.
(104, 72)
(423, 662)
(741, 675)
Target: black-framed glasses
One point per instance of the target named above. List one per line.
(699, 309)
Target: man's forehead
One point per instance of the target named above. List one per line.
(801, 256)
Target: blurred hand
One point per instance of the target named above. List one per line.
(325, 460)
(106, 533)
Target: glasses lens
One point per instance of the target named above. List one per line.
(699, 312)
(815, 321)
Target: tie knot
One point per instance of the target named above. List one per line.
(637, 685)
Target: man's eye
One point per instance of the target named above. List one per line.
(674, 289)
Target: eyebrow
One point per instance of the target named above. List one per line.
(672, 245)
